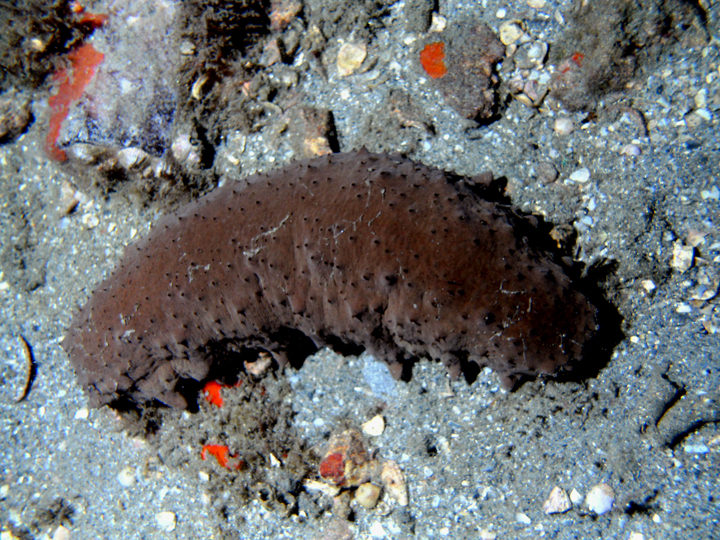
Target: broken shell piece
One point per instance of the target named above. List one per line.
(393, 481)
(196, 90)
(69, 198)
(600, 499)
(706, 285)
(87, 154)
(346, 463)
(131, 158)
(29, 370)
(322, 487)
(259, 366)
(683, 257)
(558, 502)
(350, 57)
(367, 495)
(374, 427)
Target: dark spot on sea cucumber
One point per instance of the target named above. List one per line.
(482, 294)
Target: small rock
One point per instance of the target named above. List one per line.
(15, 116)
(575, 497)
(683, 256)
(564, 126)
(90, 221)
(82, 414)
(536, 4)
(510, 32)
(547, 173)
(523, 518)
(558, 502)
(437, 23)
(166, 521)
(350, 56)
(581, 175)
(367, 495)
(600, 499)
(374, 427)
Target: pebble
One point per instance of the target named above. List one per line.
(547, 173)
(581, 175)
(558, 502)
(377, 530)
(523, 518)
(126, 477)
(600, 499)
(575, 497)
(374, 427)
(696, 449)
(166, 521)
(61, 533)
(90, 221)
(350, 56)
(712, 193)
(367, 495)
(81, 414)
(437, 23)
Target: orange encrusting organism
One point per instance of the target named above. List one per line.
(222, 454)
(211, 390)
(84, 60)
(432, 58)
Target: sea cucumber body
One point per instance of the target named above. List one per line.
(353, 248)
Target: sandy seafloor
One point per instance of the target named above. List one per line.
(479, 461)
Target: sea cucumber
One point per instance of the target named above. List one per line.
(356, 249)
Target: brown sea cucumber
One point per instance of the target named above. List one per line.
(357, 248)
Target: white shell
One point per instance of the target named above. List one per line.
(558, 502)
(600, 499)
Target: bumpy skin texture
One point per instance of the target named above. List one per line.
(357, 248)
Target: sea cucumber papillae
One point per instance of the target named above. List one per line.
(355, 248)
